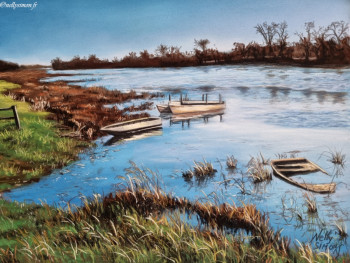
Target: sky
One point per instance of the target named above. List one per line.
(113, 28)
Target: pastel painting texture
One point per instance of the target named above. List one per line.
(174, 131)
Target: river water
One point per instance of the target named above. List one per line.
(273, 110)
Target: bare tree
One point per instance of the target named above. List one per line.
(253, 49)
(202, 44)
(305, 41)
(338, 30)
(240, 49)
(162, 50)
(268, 32)
(175, 52)
(145, 55)
(320, 46)
(281, 31)
(200, 49)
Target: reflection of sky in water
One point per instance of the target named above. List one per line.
(270, 109)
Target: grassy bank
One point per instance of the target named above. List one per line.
(33, 151)
(143, 224)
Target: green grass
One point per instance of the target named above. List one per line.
(107, 232)
(34, 150)
(140, 224)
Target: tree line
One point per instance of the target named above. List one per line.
(5, 65)
(316, 45)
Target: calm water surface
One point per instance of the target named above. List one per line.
(270, 110)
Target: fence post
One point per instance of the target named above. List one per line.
(16, 117)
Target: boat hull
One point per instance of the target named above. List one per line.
(133, 126)
(163, 108)
(194, 108)
(285, 168)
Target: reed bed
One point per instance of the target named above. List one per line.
(310, 203)
(337, 157)
(341, 227)
(200, 170)
(140, 222)
(231, 162)
(257, 170)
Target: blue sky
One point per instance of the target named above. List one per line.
(109, 28)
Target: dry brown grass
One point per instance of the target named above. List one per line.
(231, 162)
(311, 203)
(257, 170)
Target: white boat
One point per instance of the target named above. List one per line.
(191, 106)
(197, 107)
(133, 126)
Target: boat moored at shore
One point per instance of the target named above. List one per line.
(133, 126)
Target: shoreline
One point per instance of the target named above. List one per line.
(70, 113)
(258, 62)
(124, 204)
(78, 108)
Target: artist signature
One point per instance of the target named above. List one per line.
(328, 240)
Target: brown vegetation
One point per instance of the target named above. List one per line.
(80, 108)
(325, 45)
(5, 66)
(223, 216)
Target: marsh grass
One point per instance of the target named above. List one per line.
(310, 203)
(231, 162)
(335, 156)
(200, 170)
(257, 170)
(142, 223)
(34, 150)
(341, 227)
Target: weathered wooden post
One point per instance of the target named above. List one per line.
(16, 117)
(181, 98)
(169, 97)
(206, 98)
(202, 97)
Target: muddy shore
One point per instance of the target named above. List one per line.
(72, 106)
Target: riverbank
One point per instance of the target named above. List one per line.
(81, 109)
(124, 228)
(157, 62)
(145, 224)
(36, 149)
(58, 121)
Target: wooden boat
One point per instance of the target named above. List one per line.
(117, 139)
(191, 106)
(285, 168)
(164, 108)
(133, 126)
(196, 106)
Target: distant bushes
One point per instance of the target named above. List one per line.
(322, 45)
(5, 65)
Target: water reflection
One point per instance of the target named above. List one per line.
(115, 140)
(188, 117)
